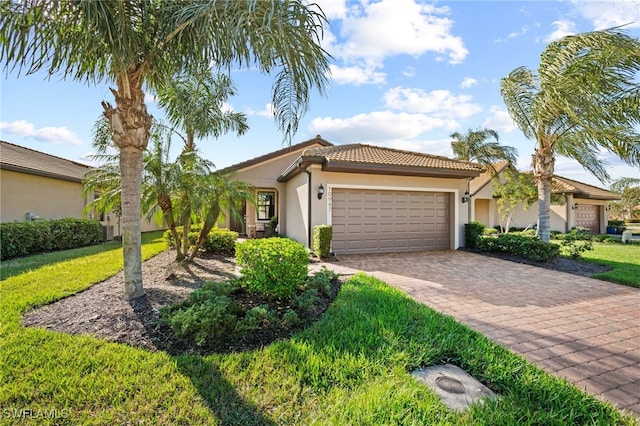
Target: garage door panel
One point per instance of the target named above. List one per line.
(368, 221)
(588, 216)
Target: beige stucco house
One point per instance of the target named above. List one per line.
(583, 205)
(35, 185)
(377, 199)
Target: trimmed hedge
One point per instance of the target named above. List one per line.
(322, 235)
(472, 234)
(272, 266)
(529, 247)
(25, 238)
(219, 240)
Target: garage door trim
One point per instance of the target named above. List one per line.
(455, 204)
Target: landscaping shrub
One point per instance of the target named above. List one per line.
(272, 266)
(219, 240)
(490, 231)
(322, 235)
(529, 247)
(473, 233)
(24, 238)
(576, 242)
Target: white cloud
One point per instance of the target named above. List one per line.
(356, 75)
(333, 9)
(25, 129)
(433, 147)
(440, 103)
(608, 14)
(468, 82)
(373, 31)
(149, 98)
(409, 72)
(378, 127)
(563, 28)
(500, 121)
(267, 111)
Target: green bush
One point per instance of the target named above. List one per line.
(259, 317)
(472, 234)
(529, 247)
(272, 266)
(576, 242)
(322, 236)
(25, 238)
(221, 241)
(322, 280)
(218, 241)
(490, 231)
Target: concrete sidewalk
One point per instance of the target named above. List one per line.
(582, 329)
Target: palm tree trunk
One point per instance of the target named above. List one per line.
(209, 221)
(164, 201)
(130, 126)
(543, 164)
(131, 161)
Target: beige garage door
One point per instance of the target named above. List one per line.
(588, 217)
(372, 221)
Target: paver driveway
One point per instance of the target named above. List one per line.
(583, 329)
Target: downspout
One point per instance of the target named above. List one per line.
(308, 204)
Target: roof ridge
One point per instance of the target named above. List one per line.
(45, 153)
(581, 183)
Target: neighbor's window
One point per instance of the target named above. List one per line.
(266, 205)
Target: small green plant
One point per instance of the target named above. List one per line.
(575, 242)
(259, 317)
(490, 231)
(290, 319)
(306, 302)
(322, 280)
(473, 233)
(219, 240)
(274, 267)
(322, 235)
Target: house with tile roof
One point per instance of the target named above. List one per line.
(582, 205)
(35, 185)
(377, 199)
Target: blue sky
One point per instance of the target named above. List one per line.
(405, 74)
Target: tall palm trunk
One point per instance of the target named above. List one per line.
(130, 126)
(543, 166)
(209, 221)
(164, 201)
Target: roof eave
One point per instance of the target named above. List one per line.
(42, 173)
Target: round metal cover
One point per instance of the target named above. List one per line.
(450, 384)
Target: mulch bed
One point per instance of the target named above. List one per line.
(102, 311)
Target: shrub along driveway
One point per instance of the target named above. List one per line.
(582, 329)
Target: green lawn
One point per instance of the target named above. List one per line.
(623, 258)
(349, 368)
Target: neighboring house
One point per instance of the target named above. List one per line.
(35, 185)
(584, 205)
(377, 199)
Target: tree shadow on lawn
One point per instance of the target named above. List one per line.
(229, 407)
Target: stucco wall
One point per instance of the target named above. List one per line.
(46, 197)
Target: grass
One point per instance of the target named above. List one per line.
(623, 258)
(351, 367)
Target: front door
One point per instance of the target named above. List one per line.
(238, 219)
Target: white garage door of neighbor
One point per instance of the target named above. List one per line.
(377, 221)
(588, 217)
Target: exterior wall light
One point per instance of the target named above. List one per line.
(320, 192)
(575, 206)
(466, 197)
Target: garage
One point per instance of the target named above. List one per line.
(379, 221)
(587, 216)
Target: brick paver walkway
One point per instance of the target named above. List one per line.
(583, 329)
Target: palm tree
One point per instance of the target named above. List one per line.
(629, 191)
(140, 45)
(194, 102)
(585, 97)
(476, 146)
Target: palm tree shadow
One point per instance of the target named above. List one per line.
(221, 397)
(229, 407)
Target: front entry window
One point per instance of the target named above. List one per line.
(266, 205)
